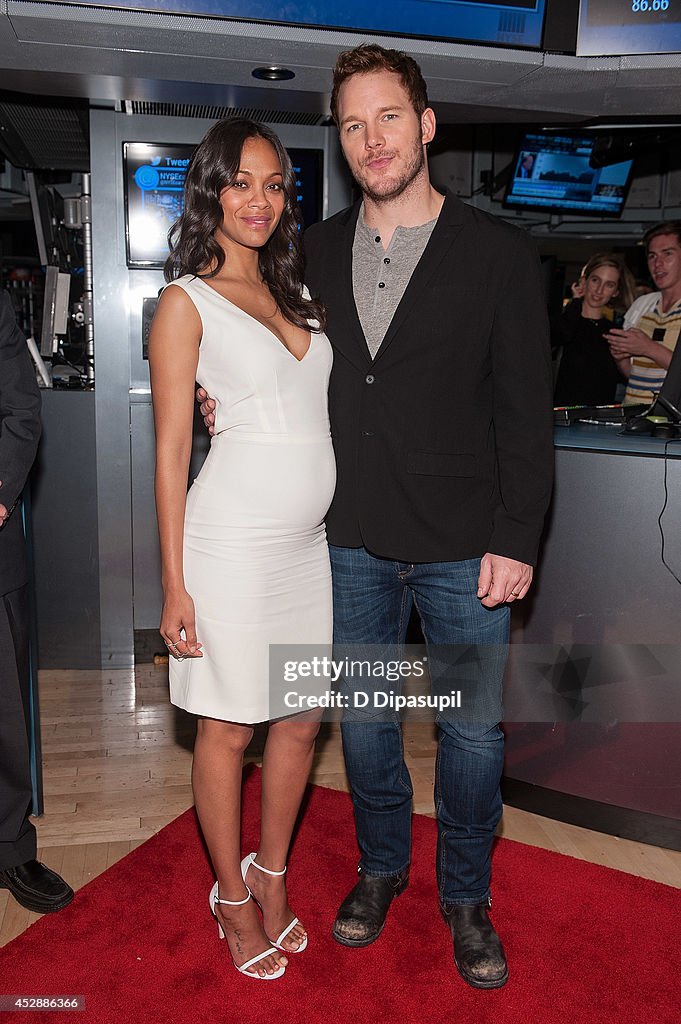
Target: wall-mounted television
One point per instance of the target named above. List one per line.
(154, 175)
(615, 27)
(551, 171)
(497, 22)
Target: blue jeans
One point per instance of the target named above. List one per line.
(372, 601)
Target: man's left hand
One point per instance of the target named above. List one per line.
(502, 580)
(631, 342)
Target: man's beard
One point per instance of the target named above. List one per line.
(391, 187)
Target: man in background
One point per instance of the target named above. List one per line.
(32, 884)
(643, 348)
(526, 166)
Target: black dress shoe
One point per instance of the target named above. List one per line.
(36, 887)
(478, 952)
(362, 913)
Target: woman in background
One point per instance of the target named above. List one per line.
(588, 375)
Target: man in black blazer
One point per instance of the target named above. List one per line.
(32, 884)
(440, 405)
(440, 402)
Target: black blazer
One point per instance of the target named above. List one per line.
(444, 442)
(19, 435)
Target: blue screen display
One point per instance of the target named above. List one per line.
(553, 173)
(614, 27)
(510, 23)
(154, 194)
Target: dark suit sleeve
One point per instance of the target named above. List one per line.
(19, 406)
(522, 409)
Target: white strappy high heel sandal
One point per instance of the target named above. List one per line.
(213, 898)
(246, 863)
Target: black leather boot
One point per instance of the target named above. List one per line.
(362, 913)
(478, 952)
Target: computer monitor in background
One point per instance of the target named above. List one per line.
(668, 401)
(47, 209)
(663, 417)
(552, 171)
(154, 176)
(154, 189)
(55, 310)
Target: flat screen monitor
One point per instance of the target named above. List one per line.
(614, 27)
(154, 176)
(668, 402)
(505, 23)
(552, 172)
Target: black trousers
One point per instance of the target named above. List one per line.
(17, 834)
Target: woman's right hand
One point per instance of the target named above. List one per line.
(207, 405)
(577, 288)
(178, 616)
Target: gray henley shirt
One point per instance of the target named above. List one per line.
(380, 276)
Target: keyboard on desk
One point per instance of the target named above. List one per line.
(564, 416)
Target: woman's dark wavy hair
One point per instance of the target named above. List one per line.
(193, 247)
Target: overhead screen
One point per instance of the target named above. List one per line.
(552, 172)
(614, 27)
(512, 23)
(154, 191)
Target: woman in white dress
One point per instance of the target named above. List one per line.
(244, 556)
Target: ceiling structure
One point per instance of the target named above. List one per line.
(56, 59)
(99, 54)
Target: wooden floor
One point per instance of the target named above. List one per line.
(117, 758)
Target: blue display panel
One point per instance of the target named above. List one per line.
(510, 23)
(552, 172)
(154, 188)
(614, 27)
(154, 177)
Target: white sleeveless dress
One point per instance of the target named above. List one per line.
(256, 561)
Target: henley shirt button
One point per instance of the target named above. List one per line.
(381, 284)
(377, 238)
(386, 260)
(367, 433)
(369, 379)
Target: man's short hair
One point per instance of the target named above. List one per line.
(370, 57)
(665, 227)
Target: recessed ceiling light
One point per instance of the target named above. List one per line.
(273, 74)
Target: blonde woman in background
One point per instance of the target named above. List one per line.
(588, 374)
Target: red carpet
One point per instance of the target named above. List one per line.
(586, 945)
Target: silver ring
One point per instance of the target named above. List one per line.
(176, 654)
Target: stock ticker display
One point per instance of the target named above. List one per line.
(511, 23)
(614, 27)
